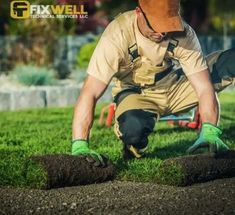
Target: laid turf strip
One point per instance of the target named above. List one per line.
(187, 170)
(62, 170)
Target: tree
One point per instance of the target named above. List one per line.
(223, 12)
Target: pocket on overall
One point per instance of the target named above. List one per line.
(145, 74)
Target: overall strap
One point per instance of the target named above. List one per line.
(128, 32)
(174, 40)
(173, 43)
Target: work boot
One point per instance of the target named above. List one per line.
(130, 152)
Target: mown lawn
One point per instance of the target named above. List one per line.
(46, 131)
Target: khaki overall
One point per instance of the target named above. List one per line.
(171, 94)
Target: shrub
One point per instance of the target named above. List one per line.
(85, 54)
(62, 70)
(33, 75)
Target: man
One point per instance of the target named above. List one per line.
(139, 50)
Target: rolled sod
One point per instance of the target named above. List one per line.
(54, 171)
(187, 170)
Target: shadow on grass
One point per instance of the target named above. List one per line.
(174, 150)
(229, 132)
(121, 165)
(172, 129)
(224, 117)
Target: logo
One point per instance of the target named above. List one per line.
(20, 9)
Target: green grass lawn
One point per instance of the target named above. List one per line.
(38, 132)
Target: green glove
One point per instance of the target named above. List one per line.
(81, 147)
(209, 137)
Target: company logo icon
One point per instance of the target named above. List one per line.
(20, 9)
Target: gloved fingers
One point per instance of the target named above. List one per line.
(196, 146)
(81, 156)
(213, 148)
(224, 147)
(101, 160)
(96, 160)
(193, 148)
(92, 160)
(97, 163)
(221, 146)
(105, 159)
(105, 156)
(218, 146)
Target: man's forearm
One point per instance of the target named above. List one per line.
(83, 116)
(84, 109)
(209, 107)
(208, 104)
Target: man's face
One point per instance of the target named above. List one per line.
(146, 28)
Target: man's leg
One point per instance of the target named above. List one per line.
(134, 123)
(135, 127)
(222, 67)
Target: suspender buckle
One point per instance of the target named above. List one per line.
(133, 53)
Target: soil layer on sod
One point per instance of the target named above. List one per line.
(61, 170)
(214, 197)
(186, 170)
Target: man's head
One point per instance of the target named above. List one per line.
(158, 17)
(162, 15)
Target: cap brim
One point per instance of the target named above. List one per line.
(166, 24)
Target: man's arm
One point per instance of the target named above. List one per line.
(103, 65)
(92, 90)
(209, 111)
(208, 104)
(83, 119)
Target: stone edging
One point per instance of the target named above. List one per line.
(41, 97)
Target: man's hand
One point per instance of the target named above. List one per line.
(209, 137)
(80, 147)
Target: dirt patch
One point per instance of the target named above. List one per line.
(214, 197)
(66, 170)
(197, 168)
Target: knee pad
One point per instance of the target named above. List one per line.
(135, 126)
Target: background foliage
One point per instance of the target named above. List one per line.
(37, 39)
(85, 54)
(33, 75)
(197, 12)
